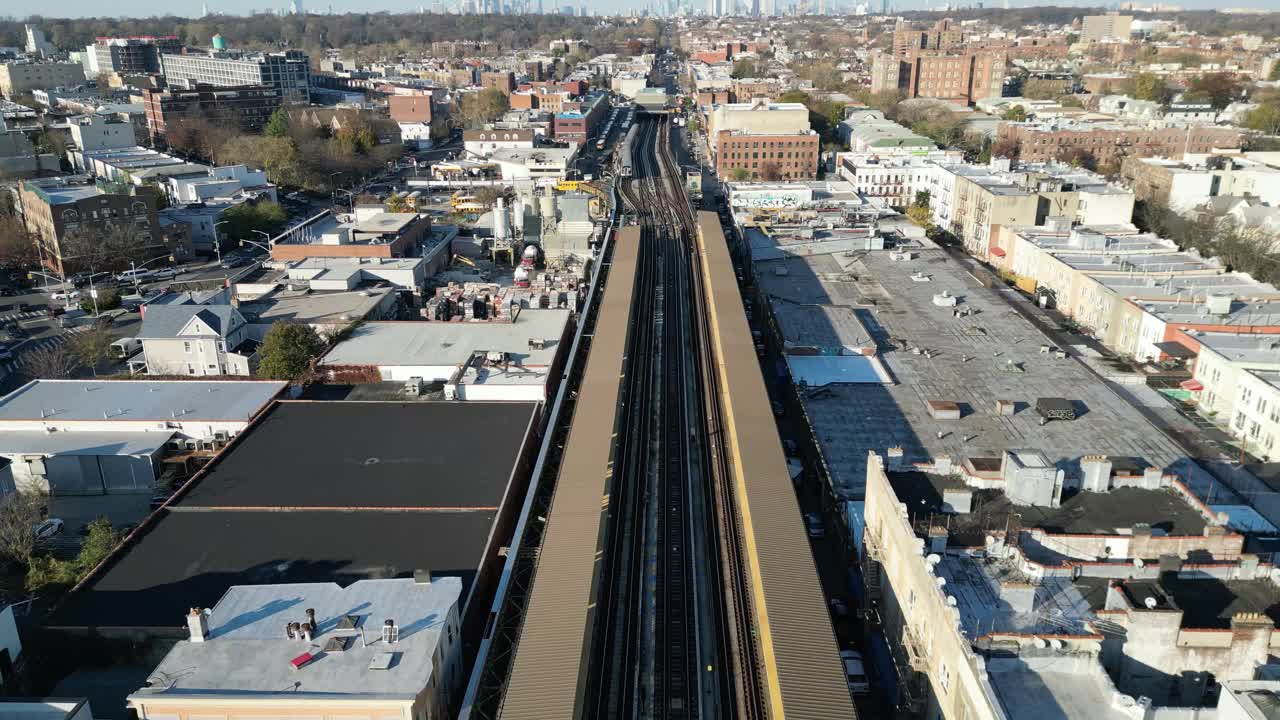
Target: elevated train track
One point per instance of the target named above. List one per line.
(657, 591)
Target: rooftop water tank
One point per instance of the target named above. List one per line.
(219, 42)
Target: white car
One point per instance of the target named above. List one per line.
(855, 672)
(65, 295)
(48, 528)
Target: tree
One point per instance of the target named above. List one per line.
(1265, 118)
(481, 107)
(1041, 89)
(244, 221)
(92, 347)
(744, 68)
(1218, 89)
(108, 299)
(921, 216)
(288, 350)
(1014, 114)
(17, 247)
(1148, 86)
(277, 125)
(770, 171)
(1078, 157)
(47, 571)
(51, 363)
(488, 196)
(922, 199)
(1006, 148)
(739, 174)
(398, 203)
(105, 248)
(20, 512)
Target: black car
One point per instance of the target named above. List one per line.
(9, 292)
(16, 331)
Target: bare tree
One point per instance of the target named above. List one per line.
(92, 347)
(19, 515)
(53, 362)
(107, 248)
(17, 249)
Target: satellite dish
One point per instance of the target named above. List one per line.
(1139, 563)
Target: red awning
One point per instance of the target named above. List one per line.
(1193, 385)
(997, 251)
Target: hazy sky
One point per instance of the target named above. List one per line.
(143, 8)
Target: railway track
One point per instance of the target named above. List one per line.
(675, 638)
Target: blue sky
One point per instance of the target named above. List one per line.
(144, 8)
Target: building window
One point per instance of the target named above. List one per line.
(186, 347)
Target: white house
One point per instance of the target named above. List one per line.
(195, 340)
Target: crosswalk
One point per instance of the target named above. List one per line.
(24, 315)
(23, 352)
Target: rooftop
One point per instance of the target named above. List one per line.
(330, 308)
(452, 343)
(138, 400)
(1208, 602)
(370, 455)
(246, 653)
(933, 354)
(318, 492)
(1246, 348)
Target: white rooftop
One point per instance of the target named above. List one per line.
(452, 343)
(247, 654)
(138, 400)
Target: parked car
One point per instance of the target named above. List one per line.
(9, 292)
(790, 448)
(5, 353)
(14, 330)
(47, 529)
(777, 408)
(813, 523)
(855, 672)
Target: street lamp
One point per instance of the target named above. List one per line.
(93, 292)
(217, 241)
(134, 268)
(255, 244)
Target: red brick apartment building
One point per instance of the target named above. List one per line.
(767, 157)
(1112, 143)
(960, 76)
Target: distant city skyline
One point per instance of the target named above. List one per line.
(194, 8)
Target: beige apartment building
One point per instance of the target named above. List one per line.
(1113, 26)
(758, 117)
(17, 78)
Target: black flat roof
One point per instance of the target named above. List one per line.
(371, 454)
(315, 492)
(188, 559)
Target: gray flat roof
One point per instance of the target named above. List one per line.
(1250, 348)
(36, 442)
(968, 362)
(451, 343)
(315, 307)
(246, 654)
(136, 400)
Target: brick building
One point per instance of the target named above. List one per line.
(56, 209)
(791, 156)
(249, 106)
(504, 81)
(1111, 143)
(944, 35)
(960, 76)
